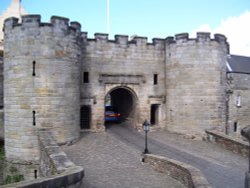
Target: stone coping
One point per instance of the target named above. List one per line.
(188, 175)
(233, 144)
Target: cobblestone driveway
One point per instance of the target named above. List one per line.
(222, 168)
(111, 163)
(112, 159)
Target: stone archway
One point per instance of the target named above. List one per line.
(125, 100)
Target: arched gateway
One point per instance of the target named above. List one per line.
(126, 102)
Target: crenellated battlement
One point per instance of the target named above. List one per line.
(200, 37)
(59, 24)
(140, 40)
(143, 41)
(101, 37)
(220, 38)
(203, 36)
(123, 40)
(62, 27)
(31, 21)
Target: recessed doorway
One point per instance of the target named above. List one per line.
(124, 100)
(154, 114)
(85, 117)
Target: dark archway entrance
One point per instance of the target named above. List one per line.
(85, 117)
(154, 113)
(125, 102)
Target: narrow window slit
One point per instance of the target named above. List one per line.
(35, 174)
(34, 118)
(155, 79)
(235, 126)
(34, 69)
(85, 77)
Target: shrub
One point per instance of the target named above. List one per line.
(14, 177)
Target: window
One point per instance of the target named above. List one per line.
(238, 101)
(85, 77)
(155, 79)
(34, 117)
(34, 68)
(235, 126)
(35, 174)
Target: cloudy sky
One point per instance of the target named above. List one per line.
(237, 30)
(153, 18)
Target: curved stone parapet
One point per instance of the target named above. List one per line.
(188, 175)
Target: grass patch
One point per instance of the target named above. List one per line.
(2, 153)
(14, 177)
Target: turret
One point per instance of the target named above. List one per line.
(41, 86)
(195, 80)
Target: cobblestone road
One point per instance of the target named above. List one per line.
(112, 159)
(110, 163)
(222, 168)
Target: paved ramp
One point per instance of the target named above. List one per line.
(111, 163)
(112, 159)
(222, 168)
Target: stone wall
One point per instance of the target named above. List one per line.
(56, 170)
(228, 142)
(188, 175)
(70, 179)
(238, 102)
(189, 92)
(122, 63)
(1, 97)
(195, 83)
(41, 84)
(1, 81)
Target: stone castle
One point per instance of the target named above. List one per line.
(57, 79)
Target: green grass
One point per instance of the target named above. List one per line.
(1, 153)
(13, 179)
(14, 176)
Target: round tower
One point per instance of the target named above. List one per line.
(195, 83)
(41, 85)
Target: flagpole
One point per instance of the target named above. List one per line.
(19, 3)
(108, 16)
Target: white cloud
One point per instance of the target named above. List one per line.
(237, 31)
(201, 28)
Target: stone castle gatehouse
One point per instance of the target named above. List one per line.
(56, 78)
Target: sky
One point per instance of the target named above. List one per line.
(153, 18)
